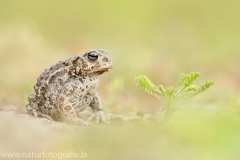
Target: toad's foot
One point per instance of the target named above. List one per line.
(97, 116)
(34, 112)
(76, 120)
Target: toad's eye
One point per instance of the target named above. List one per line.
(92, 56)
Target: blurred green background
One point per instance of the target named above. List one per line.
(158, 38)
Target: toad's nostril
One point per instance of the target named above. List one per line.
(105, 59)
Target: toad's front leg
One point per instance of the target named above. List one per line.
(97, 108)
(67, 111)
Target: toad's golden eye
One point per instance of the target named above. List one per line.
(92, 56)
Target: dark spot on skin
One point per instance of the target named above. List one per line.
(79, 72)
(82, 90)
(74, 60)
(81, 80)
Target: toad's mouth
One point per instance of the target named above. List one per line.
(104, 70)
(98, 70)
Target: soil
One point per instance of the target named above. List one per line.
(19, 116)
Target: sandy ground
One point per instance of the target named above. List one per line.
(21, 132)
(19, 116)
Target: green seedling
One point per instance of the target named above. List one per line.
(171, 96)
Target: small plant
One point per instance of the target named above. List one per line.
(172, 96)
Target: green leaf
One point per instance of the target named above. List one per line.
(170, 91)
(191, 88)
(162, 90)
(194, 90)
(144, 83)
(205, 86)
(188, 79)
